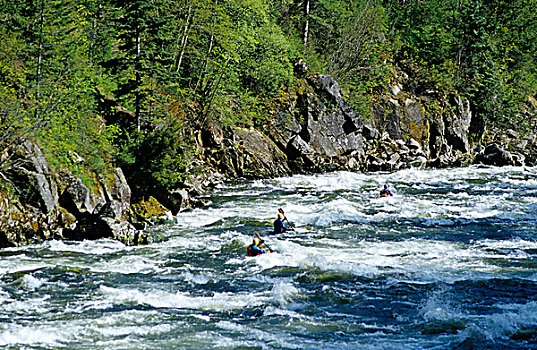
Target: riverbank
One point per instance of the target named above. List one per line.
(312, 130)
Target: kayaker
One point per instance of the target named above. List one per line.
(385, 192)
(255, 248)
(280, 211)
(279, 225)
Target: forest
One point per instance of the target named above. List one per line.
(129, 83)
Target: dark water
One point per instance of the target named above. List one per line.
(447, 263)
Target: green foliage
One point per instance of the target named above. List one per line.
(130, 81)
(48, 82)
(160, 160)
(482, 49)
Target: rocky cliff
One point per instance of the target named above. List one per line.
(37, 204)
(315, 130)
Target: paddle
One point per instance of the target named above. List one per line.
(291, 228)
(256, 234)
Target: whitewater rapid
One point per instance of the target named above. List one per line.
(448, 262)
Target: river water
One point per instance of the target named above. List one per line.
(449, 262)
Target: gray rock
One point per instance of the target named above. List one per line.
(256, 155)
(124, 231)
(370, 133)
(413, 145)
(76, 197)
(118, 190)
(458, 125)
(33, 179)
(396, 89)
(495, 155)
(111, 210)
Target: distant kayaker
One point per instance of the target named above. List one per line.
(255, 248)
(279, 225)
(385, 192)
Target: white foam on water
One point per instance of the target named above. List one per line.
(128, 264)
(109, 327)
(203, 217)
(329, 182)
(15, 266)
(95, 247)
(315, 211)
(514, 318)
(50, 335)
(253, 337)
(32, 283)
(195, 278)
(28, 306)
(184, 300)
(277, 311)
(516, 243)
(423, 259)
(440, 307)
(284, 293)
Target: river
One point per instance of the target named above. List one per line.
(449, 262)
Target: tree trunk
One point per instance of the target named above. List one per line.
(184, 40)
(138, 68)
(40, 54)
(306, 21)
(207, 59)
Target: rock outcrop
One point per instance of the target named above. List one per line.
(319, 131)
(494, 155)
(39, 204)
(315, 130)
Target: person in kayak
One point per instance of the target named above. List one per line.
(385, 192)
(279, 225)
(280, 211)
(255, 248)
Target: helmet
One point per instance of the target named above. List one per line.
(280, 216)
(257, 241)
(386, 186)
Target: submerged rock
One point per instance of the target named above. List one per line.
(527, 334)
(443, 327)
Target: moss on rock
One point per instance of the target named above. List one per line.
(149, 209)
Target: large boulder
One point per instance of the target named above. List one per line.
(318, 130)
(249, 153)
(28, 206)
(330, 93)
(414, 123)
(77, 198)
(118, 194)
(20, 225)
(101, 210)
(458, 123)
(284, 127)
(386, 116)
(494, 155)
(31, 176)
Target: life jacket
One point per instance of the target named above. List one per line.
(279, 226)
(253, 252)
